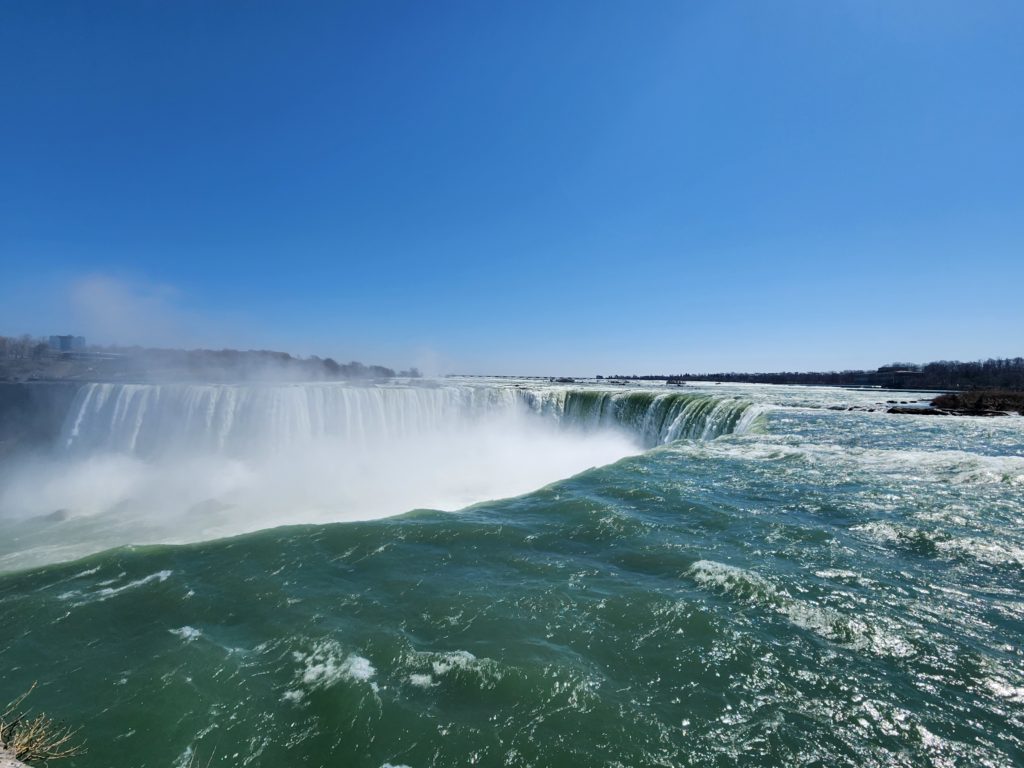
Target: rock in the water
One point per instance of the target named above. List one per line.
(917, 411)
(7, 760)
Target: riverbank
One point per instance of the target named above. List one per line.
(135, 364)
(979, 403)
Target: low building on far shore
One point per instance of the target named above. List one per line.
(67, 343)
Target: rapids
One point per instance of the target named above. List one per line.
(712, 575)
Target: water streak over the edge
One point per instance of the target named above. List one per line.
(150, 419)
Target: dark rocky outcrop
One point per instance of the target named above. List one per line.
(980, 403)
(917, 411)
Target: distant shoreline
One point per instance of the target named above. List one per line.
(1002, 374)
(943, 375)
(24, 360)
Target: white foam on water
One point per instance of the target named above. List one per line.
(185, 758)
(945, 544)
(108, 592)
(945, 466)
(426, 669)
(186, 633)
(756, 590)
(730, 578)
(983, 550)
(358, 668)
(1005, 690)
(446, 662)
(327, 664)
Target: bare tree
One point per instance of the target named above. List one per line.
(24, 738)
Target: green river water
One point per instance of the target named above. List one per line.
(755, 579)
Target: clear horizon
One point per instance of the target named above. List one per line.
(587, 189)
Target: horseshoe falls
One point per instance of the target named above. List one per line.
(171, 463)
(147, 419)
(504, 572)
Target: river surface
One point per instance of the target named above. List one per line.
(503, 573)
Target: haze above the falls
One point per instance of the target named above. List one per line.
(172, 463)
(82, 499)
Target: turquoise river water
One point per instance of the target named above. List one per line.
(499, 573)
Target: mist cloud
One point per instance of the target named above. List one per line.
(116, 311)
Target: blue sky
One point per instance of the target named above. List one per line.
(578, 187)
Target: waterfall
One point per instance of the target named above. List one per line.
(655, 417)
(152, 419)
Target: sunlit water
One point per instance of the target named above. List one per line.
(706, 576)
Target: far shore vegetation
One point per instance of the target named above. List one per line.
(60, 358)
(994, 373)
(29, 358)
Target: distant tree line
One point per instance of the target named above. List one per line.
(250, 363)
(1002, 373)
(29, 357)
(24, 347)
